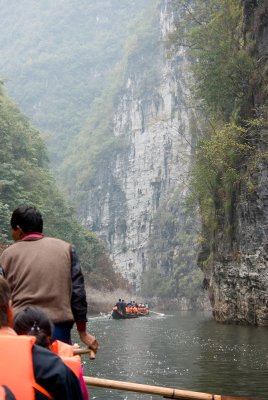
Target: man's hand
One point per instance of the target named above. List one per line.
(89, 340)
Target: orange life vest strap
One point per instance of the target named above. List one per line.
(74, 363)
(42, 390)
(62, 349)
(66, 353)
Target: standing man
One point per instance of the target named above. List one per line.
(45, 272)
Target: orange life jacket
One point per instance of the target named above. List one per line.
(2, 393)
(66, 353)
(16, 368)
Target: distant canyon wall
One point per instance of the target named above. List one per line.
(156, 126)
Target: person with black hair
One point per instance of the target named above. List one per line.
(27, 370)
(45, 272)
(33, 321)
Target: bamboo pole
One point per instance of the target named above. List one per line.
(91, 353)
(168, 393)
(80, 351)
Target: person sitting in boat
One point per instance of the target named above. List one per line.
(140, 308)
(118, 304)
(28, 370)
(34, 321)
(123, 306)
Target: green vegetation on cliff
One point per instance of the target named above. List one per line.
(225, 71)
(173, 247)
(25, 178)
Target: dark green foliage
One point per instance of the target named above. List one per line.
(216, 173)
(212, 33)
(25, 178)
(224, 72)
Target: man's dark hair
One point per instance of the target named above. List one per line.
(28, 218)
(5, 296)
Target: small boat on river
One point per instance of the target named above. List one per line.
(131, 310)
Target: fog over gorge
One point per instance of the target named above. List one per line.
(149, 119)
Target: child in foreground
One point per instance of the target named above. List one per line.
(33, 321)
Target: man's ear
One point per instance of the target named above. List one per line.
(18, 229)
(10, 314)
(17, 233)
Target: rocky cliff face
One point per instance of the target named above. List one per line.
(156, 129)
(238, 281)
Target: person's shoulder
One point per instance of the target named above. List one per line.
(9, 249)
(45, 360)
(3, 247)
(43, 352)
(56, 241)
(54, 376)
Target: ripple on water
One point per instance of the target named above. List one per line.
(187, 350)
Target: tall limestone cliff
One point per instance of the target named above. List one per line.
(145, 180)
(238, 279)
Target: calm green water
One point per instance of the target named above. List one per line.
(186, 350)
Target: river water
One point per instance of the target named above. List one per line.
(186, 350)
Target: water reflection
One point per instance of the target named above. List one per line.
(187, 350)
(233, 360)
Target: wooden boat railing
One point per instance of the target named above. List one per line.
(168, 393)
